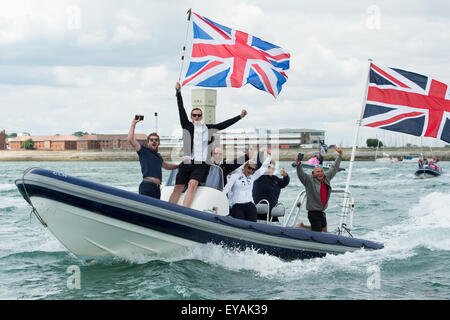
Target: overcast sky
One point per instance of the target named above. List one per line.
(91, 65)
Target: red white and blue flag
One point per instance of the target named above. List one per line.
(223, 57)
(407, 102)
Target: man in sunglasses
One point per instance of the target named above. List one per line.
(151, 162)
(197, 140)
(241, 184)
(318, 190)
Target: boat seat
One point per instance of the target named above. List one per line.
(263, 207)
(278, 211)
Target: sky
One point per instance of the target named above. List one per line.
(68, 65)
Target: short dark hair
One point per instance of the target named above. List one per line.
(196, 109)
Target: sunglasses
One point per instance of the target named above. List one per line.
(318, 165)
(197, 115)
(251, 168)
(153, 140)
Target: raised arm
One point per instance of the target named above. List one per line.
(131, 139)
(230, 183)
(230, 167)
(263, 168)
(227, 123)
(184, 120)
(334, 168)
(285, 180)
(300, 173)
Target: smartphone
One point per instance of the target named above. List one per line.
(136, 117)
(300, 156)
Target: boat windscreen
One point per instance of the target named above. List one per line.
(215, 178)
(171, 180)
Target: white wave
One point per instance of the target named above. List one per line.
(7, 186)
(427, 225)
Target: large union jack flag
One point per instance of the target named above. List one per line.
(407, 102)
(223, 57)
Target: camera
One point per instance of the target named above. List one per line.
(137, 117)
(300, 156)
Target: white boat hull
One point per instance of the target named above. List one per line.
(93, 235)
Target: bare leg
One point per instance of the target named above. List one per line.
(176, 193)
(301, 225)
(190, 193)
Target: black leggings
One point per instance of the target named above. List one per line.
(244, 211)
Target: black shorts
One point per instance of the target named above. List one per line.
(150, 189)
(318, 220)
(244, 211)
(190, 171)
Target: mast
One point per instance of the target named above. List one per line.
(345, 205)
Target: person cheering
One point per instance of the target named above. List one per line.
(241, 184)
(197, 139)
(318, 190)
(150, 160)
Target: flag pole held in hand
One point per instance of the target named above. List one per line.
(185, 41)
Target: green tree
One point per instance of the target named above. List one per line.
(80, 133)
(28, 144)
(373, 143)
(11, 135)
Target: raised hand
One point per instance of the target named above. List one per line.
(339, 150)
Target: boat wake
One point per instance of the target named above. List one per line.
(426, 226)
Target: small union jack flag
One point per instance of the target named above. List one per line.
(223, 57)
(407, 102)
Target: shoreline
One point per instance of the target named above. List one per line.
(174, 154)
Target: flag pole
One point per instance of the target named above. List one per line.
(343, 223)
(185, 41)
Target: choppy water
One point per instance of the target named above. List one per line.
(409, 215)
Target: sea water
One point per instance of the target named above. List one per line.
(410, 216)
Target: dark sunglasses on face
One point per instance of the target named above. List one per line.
(251, 168)
(197, 115)
(153, 140)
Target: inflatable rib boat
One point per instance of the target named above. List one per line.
(428, 172)
(95, 220)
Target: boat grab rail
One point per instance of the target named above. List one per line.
(28, 198)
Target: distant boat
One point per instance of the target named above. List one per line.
(413, 157)
(386, 158)
(429, 171)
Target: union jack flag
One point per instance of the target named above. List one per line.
(223, 57)
(407, 102)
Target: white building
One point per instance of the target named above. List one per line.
(285, 138)
(240, 138)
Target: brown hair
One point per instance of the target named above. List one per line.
(153, 134)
